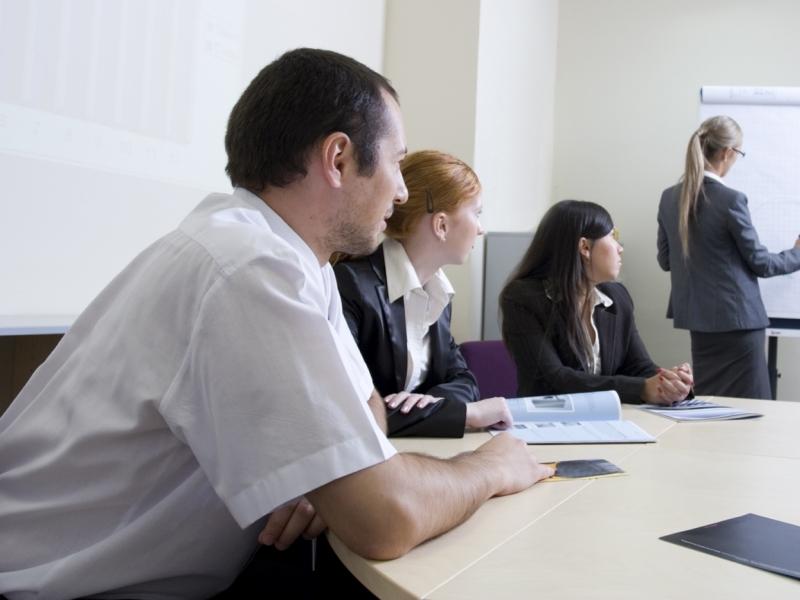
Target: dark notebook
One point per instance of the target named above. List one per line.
(580, 469)
(751, 540)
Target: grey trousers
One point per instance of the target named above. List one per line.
(730, 363)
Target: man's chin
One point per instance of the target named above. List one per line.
(362, 247)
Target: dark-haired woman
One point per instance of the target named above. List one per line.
(707, 242)
(569, 325)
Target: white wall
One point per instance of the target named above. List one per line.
(352, 27)
(628, 78)
(514, 119)
(515, 111)
(476, 79)
(431, 57)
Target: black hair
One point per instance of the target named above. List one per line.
(293, 103)
(553, 257)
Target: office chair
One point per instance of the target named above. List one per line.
(492, 366)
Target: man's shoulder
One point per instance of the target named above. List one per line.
(234, 233)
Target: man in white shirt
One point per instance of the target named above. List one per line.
(213, 391)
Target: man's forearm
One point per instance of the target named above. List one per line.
(385, 510)
(445, 493)
(378, 409)
(399, 504)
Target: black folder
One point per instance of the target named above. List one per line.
(751, 540)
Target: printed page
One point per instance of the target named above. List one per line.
(589, 406)
(579, 432)
(697, 409)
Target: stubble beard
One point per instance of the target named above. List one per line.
(352, 238)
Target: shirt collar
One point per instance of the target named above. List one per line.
(601, 298)
(402, 278)
(278, 226)
(714, 176)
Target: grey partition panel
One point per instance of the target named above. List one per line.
(503, 252)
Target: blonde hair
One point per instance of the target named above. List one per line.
(713, 135)
(436, 182)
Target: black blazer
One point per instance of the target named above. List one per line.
(379, 328)
(536, 337)
(717, 289)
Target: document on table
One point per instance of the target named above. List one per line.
(586, 418)
(697, 409)
(592, 468)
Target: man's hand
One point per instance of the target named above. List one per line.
(491, 412)
(290, 521)
(516, 466)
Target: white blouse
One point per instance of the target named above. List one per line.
(423, 307)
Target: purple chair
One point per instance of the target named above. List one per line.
(492, 366)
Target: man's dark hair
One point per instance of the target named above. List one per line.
(293, 103)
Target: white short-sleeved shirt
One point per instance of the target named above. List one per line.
(213, 380)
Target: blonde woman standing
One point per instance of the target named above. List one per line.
(706, 240)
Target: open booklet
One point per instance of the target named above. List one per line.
(588, 418)
(697, 409)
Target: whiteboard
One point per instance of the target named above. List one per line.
(112, 120)
(769, 175)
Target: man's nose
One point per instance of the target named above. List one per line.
(402, 194)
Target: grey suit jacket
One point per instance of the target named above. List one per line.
(717, 288)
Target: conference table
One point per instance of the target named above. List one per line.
(599, 538)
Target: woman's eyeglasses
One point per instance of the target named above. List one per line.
(739, 152)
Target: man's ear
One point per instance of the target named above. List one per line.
(584, 248)
(336, 152)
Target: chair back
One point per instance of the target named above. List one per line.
(492, 366)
